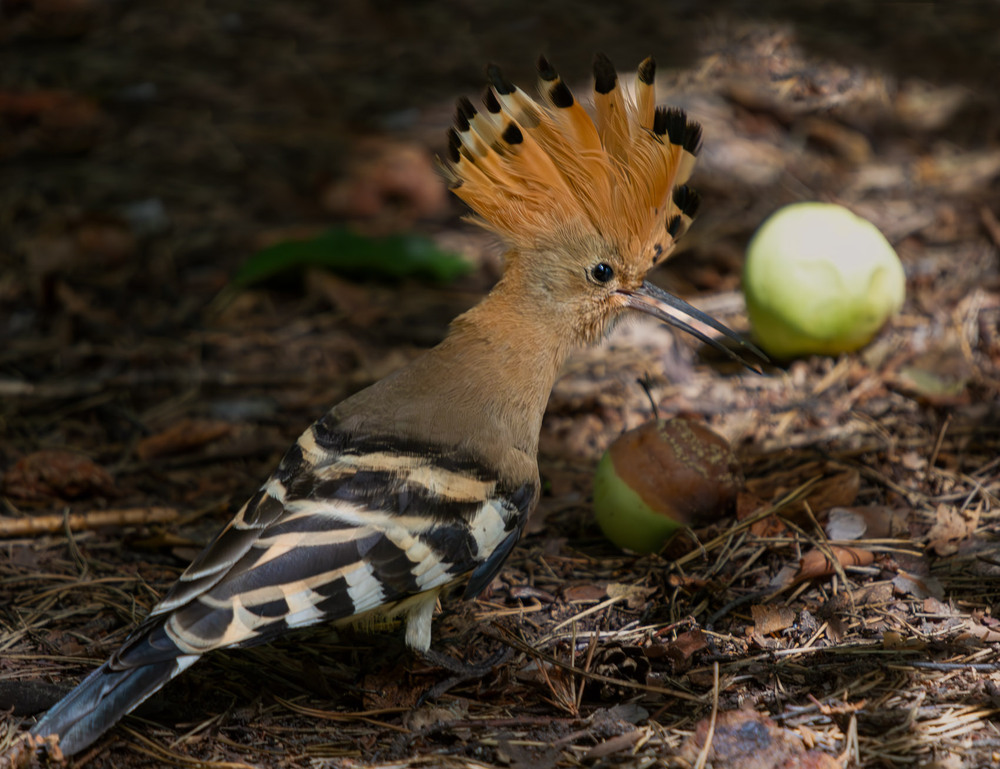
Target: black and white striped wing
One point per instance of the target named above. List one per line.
(343, 527)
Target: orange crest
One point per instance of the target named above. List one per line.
(531, 169)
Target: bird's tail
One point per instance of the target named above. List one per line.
(103, 698)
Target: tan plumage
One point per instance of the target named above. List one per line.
(427, 477)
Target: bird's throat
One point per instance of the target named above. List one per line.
(503, 358)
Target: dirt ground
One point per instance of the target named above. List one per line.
(841, 615)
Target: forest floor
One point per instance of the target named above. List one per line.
(842, 615)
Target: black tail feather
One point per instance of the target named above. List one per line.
(102, 699)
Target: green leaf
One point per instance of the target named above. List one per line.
(346, 253)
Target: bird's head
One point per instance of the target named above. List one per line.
(587, 205)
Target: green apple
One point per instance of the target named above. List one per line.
(661, 477)
(820, 280)
(624, 516)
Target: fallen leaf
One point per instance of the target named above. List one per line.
(182, 437)
(769, 527)
(925, 106)
(836, 630)
(347, 253)
(840, 489)
(771, 619)
(584, 593)
(679, 651)
(688, 582)
(613, 745)
(958, 172)
(635, 595)
(49, 122)
(935, 606)
(747, 504)
(982, 633)
(939, 387)
(690, 642)
(951, 527)
(847, 602)
(530, 593)
(918, 587)
(82, 304)
(53, 474)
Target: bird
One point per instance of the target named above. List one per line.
(425, 479)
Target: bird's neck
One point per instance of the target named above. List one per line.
(483, 389)
(505, 355)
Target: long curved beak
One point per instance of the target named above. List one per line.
(649, 298)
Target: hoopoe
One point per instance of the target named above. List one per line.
(426, 478)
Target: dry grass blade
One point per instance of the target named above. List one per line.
(156, 751)
(332, 715)
(587, 612)
(707, 747)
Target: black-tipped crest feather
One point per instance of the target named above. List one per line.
(687, 200)
(512, 134)
(561, 96)
(647, 71)
(545, 70)
(692, 137)
(502, 84)
(490, 102)
(605, 75)
(465, 110)
(454, 146)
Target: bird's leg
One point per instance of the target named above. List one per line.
(461, 671)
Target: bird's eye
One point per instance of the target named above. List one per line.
(602, 272)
